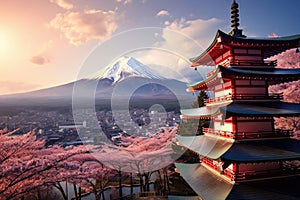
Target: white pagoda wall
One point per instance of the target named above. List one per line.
(223, 89)
(223, 126)
(223, 93)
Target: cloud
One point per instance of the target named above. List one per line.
(80, 27)
(11, 87)
(176, 43)
(40, 60)
(124, 1)
(273, 35)
(163, 13)
(199, 29)
(42, 56)
(63, 4)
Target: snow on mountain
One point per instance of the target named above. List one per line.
(128, 67)
(103, 86)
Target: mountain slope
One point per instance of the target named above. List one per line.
(116, 81)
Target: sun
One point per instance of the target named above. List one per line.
(4, 44)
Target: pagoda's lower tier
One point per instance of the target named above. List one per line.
(242, 151)
(209, 185)
(246, 160)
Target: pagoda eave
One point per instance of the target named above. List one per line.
(204, 145)
(224, 42)
(270, 74)
(210, 185)
(251, 151)
(256, 151)
(204, 181)
(261, 109)
(204, 85)
(201, 113)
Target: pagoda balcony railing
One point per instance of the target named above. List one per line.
(263, 134)
(249, 135)
(257, 97)
(270, 63)
(228, 173)
(226, 134)
(218, 99)
(244, 97)
(286, 169)
(248, 175)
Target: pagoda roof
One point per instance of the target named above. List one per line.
(243, 151)
(261, 72)
(261, 109)
(263, 150)
(202, 112)
(245, 109)
(204, 84)
(209, 185)
(205, 145)
(274, 75)
(204, 182)
(222, 42)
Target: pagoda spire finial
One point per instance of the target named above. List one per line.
(235, 31)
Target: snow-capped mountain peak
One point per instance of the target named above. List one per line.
(128, 67)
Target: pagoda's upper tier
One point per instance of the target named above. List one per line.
(272, 75)
(224, 45)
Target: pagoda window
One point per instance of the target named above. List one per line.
(254, 51)
(242, 82)
(259, 166)
(226, 54)
(258, 82)
(219, 59)
(239, 82)
(248, 58)
(223, 59)
(258, 170)
(250, 91)
(240, 51)
(223, 90)
(218, 87)
(255, 127)
(227, 84)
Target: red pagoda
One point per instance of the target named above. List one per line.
(242, 155)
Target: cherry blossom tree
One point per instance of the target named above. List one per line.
(143, 157)
(290, 90)
(26, 165)
(92, 175)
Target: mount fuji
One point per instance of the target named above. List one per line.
(125, 77)
(126, 67)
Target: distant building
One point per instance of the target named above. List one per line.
(73, 126)
(242, 155)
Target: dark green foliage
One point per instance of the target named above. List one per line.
(191, 127)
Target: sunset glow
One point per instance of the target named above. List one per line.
(4, 44)
(151, 99)
(47, 41)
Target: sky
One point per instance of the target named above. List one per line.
(44, 43)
